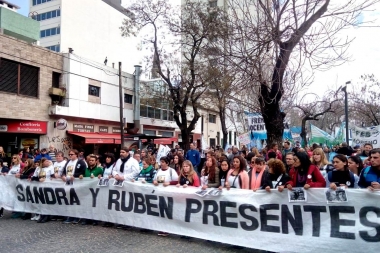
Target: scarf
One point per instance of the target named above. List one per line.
(123, 161)
(256, 182)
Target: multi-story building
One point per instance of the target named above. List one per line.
(89, 27)
(27, 72)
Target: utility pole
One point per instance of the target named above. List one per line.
(121, 100)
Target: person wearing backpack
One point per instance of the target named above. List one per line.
(370, 176)
(341, 175)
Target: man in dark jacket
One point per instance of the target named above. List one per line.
(43, 154)
(74, 168)
(345, 150)
(367, 149)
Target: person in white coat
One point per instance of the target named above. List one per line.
(126, 168)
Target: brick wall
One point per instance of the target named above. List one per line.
(23, 107)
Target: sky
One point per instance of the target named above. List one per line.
(364, 52)
(23, 4)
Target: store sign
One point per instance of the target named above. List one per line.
(116, 130)
(23, 126)
(103, 129)
(81, 128)
(61, 124)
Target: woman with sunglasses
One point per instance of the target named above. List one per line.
(304, 174)
(255, 175)
(16, 165)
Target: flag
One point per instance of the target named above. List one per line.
(320, 136)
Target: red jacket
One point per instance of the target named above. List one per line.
(316, 179)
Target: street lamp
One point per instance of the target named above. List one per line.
(346, 110)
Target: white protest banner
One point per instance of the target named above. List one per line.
(256, 122)
(258, 219)
(244, 139)
(361, 136)
(162, 151)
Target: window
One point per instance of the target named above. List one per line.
(149, 132)
(166, 133)
(55, 79)
(55, 48)
(9, 81)
(50, 32)
(213, 3)
(171, 116)
(150, 112)
(47, 15)
(164, 114)
(128, 99)
(36, 2)
(93, 90)
(143, 111)
(212, 118)
(157, 113)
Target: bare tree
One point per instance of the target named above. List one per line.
(270, 42)
(365, 102)
(314, 111)
(177, 38)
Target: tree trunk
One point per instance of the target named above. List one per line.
(272, 115)
(185, 138)
(303, 132)
(222, 115)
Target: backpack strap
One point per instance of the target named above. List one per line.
(365, 171)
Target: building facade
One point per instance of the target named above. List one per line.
(27, 72)
(89, 27)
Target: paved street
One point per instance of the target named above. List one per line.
(19, 236)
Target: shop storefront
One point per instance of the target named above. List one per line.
(18, 134)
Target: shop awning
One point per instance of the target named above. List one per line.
(165, 141)
(97, 138)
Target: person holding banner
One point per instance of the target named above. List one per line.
(304, 174)
(126, 168)
(147, 173)
(355, 164)
(188, 176)
(370, 176)
(211, 171)
(237, 177)
(256, 173)
(275, 177)
(341, 175)
(165, 175)
(224, 168)
(73, 168)
(319, 159)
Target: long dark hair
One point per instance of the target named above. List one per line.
(211, 170)
(110, 155)
(243, 164)
(344, 159)
(356, 159)
(305, 162)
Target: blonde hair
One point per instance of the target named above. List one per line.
(18, 160)
(319, 151)
(191, 172)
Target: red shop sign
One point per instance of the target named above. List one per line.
(23, 126)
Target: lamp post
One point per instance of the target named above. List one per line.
(346, 110)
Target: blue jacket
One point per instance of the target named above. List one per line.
(367, 176)
(40, 156)
(194, 157)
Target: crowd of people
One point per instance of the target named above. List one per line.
(268, 169)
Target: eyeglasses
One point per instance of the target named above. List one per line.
(71, 154)
(14, 157)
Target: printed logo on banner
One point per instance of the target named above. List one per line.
(3, 128)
